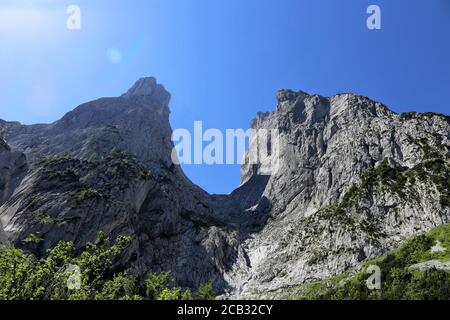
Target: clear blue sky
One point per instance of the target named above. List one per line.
(222, 60)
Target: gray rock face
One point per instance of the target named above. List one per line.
(349, 180)
(352, 180)
(13, 167)
(149, 88)
(137, 122)
(107, 166)
(427, 265)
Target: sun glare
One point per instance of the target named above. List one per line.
(23, 16)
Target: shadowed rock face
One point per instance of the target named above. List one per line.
(12, 169)
(349, 180)
(107, 166)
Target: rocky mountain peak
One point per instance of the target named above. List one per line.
(290, 95)
(136, 122)
(148, 87)
(349, 180)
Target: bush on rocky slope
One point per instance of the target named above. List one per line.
(399, 278)
(57, 277)
(408, 116)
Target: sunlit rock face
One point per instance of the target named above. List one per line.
(137, 122)
(340, 180)
(148, 88)
(353, 179)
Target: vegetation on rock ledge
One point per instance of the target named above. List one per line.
(55, 277)
(399, 278)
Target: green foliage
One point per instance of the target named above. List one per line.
(206, 292)
(79, 182)
(317, 257)
(84, 194)
(156, 283)
(385, 175)
(25, 277)
(157, 287)
(408, 116)
(60, 167)
(440, 235)
(120, 164)
(438, 172)
(56, 160)
(187, 295)
(429, 285)
(399, 284)
(121, 287)
(33, 238)
(170, 294)
(398, 280)
(432, 170)
(43, 218)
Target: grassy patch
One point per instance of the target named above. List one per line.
(34, 238)
(85, 194)
(398, 281)
(408, 116)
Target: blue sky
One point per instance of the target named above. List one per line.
(223, 61)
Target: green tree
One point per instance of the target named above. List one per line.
(24, 277)
(206, 292)
(156, 283)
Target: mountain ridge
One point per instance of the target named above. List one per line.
(332, 199)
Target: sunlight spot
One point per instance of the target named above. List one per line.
(27, 19)
(114, 55)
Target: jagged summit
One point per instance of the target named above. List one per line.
(290, 95)
(137, 122)
(149, 87)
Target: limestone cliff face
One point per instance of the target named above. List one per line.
(137, 122)
(343, 180)
(13, 167)
(107, 166)
(352, 180)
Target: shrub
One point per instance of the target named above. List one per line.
(25, 277)
(156, 283)
(206, 292)
(398, 280)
